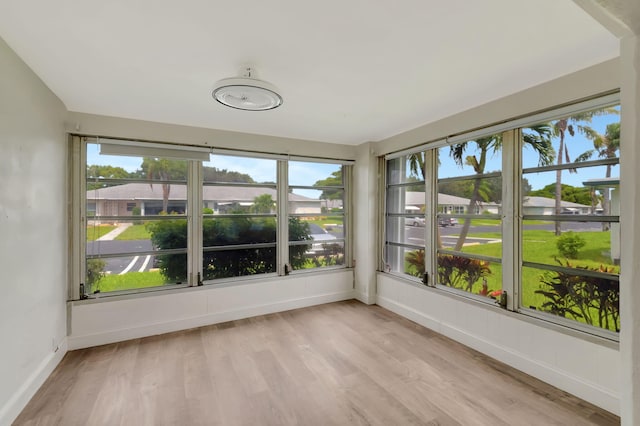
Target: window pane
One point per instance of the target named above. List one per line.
(474, 157)
(474, 276)
(316, 215)
(582, 192)
(321, 228)
(405, 199)
(320, 253)
(238, 200)
(231, 169)
(409, 168)
(134, 186)
(238, 230)
(482, 236)
(238, 262)
(405, 230)
(588, 135)
(314, 202)
(134, 271)
(405, 260)
(590, 300)
(470, 196)
(583, 244)
(315, 174)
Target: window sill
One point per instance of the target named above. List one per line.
(222, 283)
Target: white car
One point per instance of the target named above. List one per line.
(414, 221)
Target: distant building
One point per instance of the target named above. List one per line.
(121, 200)
(547, 206)
(451, 204)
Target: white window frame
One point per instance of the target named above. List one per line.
(196, 156)
(511, 214)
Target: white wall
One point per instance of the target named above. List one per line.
(587, 367)
(33, 233)
(112, 319)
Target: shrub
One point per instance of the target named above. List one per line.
(228, 231)
(95, 272)
(593, 300)
(207, 210)
(569, 244)
(462, 272)
(136, 211)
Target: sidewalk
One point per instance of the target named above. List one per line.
(113, 234)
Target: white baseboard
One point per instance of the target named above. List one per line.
(23, 395)
(367, 299)
(85, 341)
(590, 392)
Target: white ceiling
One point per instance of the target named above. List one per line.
(349, 71)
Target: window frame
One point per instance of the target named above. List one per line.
(512, 212)
(78, 216)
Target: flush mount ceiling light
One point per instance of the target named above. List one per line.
(247, 93)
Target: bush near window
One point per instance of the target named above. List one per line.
(569, 243)
(172, 234)
(593, 300)
(462, 273)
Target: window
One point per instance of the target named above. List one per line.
(470, 183)
(405, 218)
(129, 247)
(239, 229)
(316, 207)
(525, 213)
(570, 206)
(159, 216)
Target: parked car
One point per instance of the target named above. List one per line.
(414, 221)
(447, 221)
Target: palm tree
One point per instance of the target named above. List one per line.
(159, 168)
(538, 139)
(607, 146)
(574, 124)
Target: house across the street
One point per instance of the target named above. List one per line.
(122, 200)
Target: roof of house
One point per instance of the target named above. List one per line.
(532, 201)
(146, 191)
(417, 199)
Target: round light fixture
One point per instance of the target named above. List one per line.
(247, 93)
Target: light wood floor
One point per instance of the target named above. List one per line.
(336, 364)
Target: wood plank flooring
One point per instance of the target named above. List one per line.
(336, 364)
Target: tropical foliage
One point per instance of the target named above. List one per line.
(593, 300)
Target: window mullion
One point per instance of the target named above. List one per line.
(282, 206)
(77, 216)
(431, 210)
(194, 217)
(511, 214)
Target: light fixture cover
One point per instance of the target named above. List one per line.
(246, 93)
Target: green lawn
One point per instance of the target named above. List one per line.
(130, 280)
(327, 220)
(135, 232)
(96, 231)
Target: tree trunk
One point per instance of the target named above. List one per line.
(558, 209)
(467, 222)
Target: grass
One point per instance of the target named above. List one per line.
(130, 280)
(135, 232)
(324, 220)
(96, 231)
